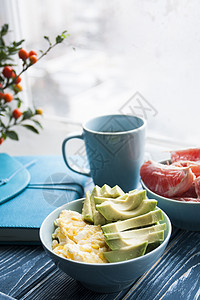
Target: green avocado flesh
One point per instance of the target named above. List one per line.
(116, 191)
(98, 218)
(136, 233)
(149, 237)
(112, 213)
(137, 222)
(129, 221)
(126, 253)
(128, 202)
(107, 191)
(87, 209)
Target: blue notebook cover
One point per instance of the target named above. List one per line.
(13, 177)
(51, 184)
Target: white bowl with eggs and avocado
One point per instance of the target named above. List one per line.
(127, 233)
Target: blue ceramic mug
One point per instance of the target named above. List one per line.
(115, 149)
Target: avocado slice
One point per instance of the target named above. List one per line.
(132, 201)
(105, 190)
(123, 197)
(152, 246)
(87, 209)
(126, 253)
(118, 200)
(152, 237)
(132, 191)
(116, 191)
(98, 219)
(135, 233)
(111, 212)
(129, 201)
(137, 222)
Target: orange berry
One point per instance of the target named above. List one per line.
(8, 97)
(1, 95)
(18, 87)
(7, 72)
(39, 111)
(33, 59)
(18, 80)
(1, 140)
(23, 54)
(16, 113)
(32, 52)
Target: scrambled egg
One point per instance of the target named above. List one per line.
(77, 240)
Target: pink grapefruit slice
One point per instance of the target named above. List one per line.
(197, 187)
(166, 180)
(194, 166)
(192, 154)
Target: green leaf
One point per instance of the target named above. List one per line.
(16, 44)
(37, 123)
(12, 135)
(27, 114)
(31, 128)
(4, 29)
(3, 135)
(48, 40)
(59, 39)
(2, 43)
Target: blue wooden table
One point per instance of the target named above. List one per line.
(26, 272)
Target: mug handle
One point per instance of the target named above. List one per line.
(73, 136)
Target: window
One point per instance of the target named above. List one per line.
(138, 57)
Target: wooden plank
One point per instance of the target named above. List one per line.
(178, 267)
(20, 267)
(26, 272)
(60, 286)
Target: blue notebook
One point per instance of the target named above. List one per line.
(14, 177)
(48, 184)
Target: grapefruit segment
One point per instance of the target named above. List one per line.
(190, 193)
(166, 180)
(194, 165)
(192, 154)
(197, 186)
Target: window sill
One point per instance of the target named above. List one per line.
(48, 142)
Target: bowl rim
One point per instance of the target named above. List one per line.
(60, 208)
(165, 198)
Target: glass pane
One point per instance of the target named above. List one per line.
(138, 57)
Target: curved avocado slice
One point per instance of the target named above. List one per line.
(126, 253)
(116, 191)
(98, 218)
(132, 201)
(87, 209)
(99, 200)
(152, 246)
(135, 233)
(137, 222)
(111, 213)
(149, 237)
(105, 190)
(127, 202)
